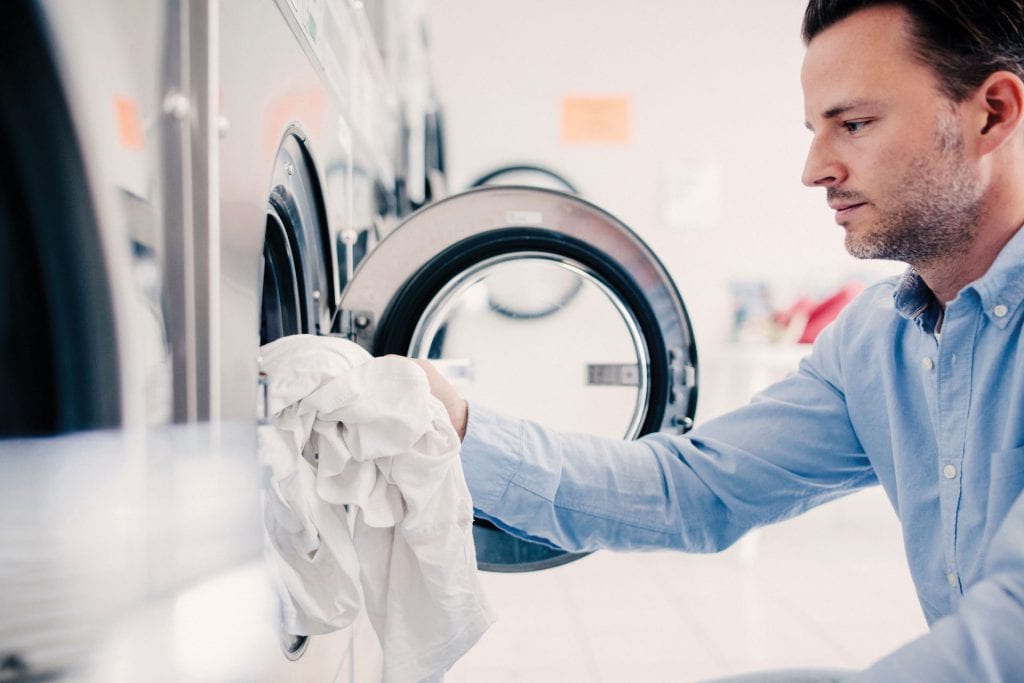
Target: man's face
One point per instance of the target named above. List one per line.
(888, 145)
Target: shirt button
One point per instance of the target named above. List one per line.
(954, 582)
(926, 363)
(1000, 311)
(949, 472)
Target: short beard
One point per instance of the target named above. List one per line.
(939, 208)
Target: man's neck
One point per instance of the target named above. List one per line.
(947, 276)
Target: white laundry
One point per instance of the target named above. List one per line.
(351, 430)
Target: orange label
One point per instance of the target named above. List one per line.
(595, 119)
(129, 124)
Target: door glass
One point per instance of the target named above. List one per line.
(541, 337)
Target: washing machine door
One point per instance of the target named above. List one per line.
(539, 305)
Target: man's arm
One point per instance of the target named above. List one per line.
(984, 639)
(789, 450)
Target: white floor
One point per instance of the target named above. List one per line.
(830, 588)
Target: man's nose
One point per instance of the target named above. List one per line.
(822, 168)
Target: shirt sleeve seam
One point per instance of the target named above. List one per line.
(518, 465)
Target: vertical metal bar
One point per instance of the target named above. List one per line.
(179, 290)
(205, 84)
(192, 206)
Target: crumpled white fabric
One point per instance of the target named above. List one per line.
(350, 430)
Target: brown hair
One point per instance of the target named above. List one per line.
(964, 41)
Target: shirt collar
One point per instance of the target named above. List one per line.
(911, 296)
(1001, 288)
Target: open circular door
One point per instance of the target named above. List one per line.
(537, 304)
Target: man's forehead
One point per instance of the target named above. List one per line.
(867, 42)
(867, 57)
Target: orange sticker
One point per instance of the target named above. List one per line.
(129, 125)
(595, 119)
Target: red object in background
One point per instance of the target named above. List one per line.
(813, 315)
(826, 311)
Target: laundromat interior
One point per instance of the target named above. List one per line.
(245, 171)
(708, 175)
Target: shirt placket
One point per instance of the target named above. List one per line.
(951, 368)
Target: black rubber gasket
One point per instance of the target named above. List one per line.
(399, 321)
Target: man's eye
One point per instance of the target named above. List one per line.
(854, 126)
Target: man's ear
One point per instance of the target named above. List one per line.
(999, 105)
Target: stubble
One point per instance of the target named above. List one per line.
(935, 213)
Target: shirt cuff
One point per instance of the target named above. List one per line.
(491, 455)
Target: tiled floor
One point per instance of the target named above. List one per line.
(828, 589)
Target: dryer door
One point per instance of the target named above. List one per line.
(537, 304)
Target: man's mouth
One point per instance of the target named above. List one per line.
(845, 209)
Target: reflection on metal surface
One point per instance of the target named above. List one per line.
(99, 524)
(455, 369)
(218, 628)
(533, 289)
(293, 646)
(607, 374)
(526, 355)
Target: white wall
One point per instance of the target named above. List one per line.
(717, 124)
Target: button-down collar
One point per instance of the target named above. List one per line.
(1001, 288)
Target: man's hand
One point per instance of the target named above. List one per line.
(458, 409)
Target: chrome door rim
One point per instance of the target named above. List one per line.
(471, 276)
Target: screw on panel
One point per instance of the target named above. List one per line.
(361, 321)
(289, 169)
(176, 105)
(683, 423)
(316, 295)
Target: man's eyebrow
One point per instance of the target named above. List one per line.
(837, 110)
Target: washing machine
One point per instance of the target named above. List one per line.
(536, 303)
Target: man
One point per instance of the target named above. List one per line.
(916, 110)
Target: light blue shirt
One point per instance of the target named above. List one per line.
(937, 420)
